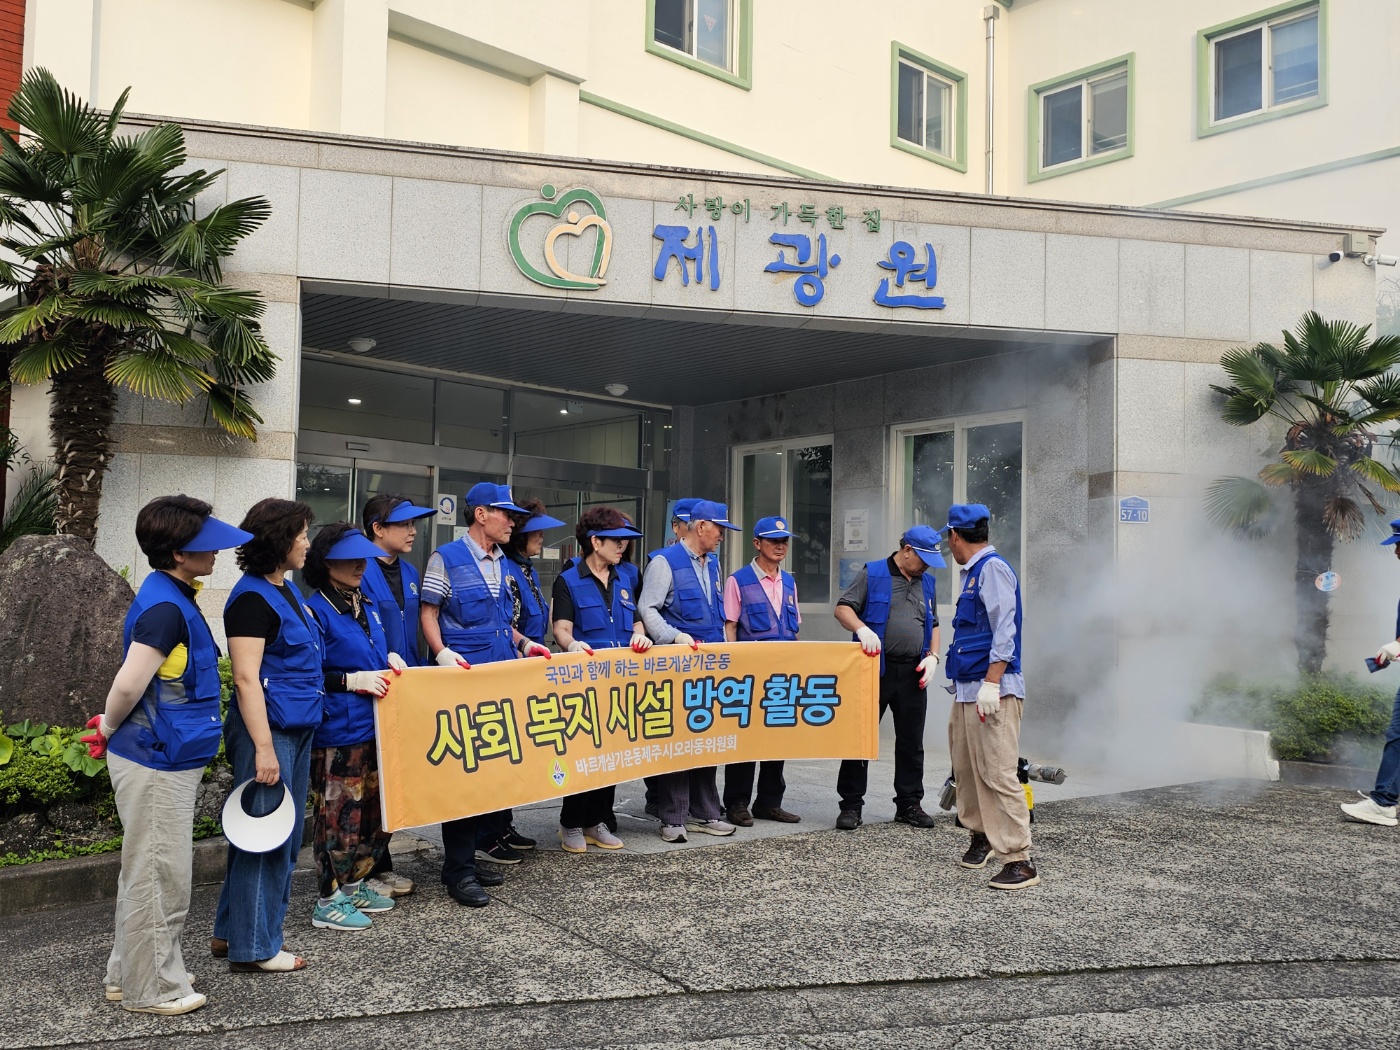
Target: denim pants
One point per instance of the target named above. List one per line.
(258, 886)
(1388, 777)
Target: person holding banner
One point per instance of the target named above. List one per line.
(275, 649)
(760, 604)
(681, 605)
(466, 619)
(984, 726)
(891, 609)
(345, 834)
(391, 581)
(595, 607)
(158, 730)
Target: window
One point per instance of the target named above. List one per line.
(928, 108)
(1264, 66)
(791, 479)
(1082, 119)
(978, 460)
(711, 36)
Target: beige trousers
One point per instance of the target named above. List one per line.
(153, 890)
(990, 798)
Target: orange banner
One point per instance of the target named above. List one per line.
(455, 743)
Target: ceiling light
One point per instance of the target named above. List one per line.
(616, 389)
(353, 400)
(564, 409)
(362, 344)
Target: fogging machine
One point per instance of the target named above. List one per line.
(1026, 771)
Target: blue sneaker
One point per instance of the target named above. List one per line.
(366, 900)
(339, 914)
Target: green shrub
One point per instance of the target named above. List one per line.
(1312, 718)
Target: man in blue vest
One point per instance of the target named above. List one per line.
(466, 619)
(984, 727)
(680, 605)
(760, 604)
(891, 609)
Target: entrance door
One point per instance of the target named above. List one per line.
(336, 489)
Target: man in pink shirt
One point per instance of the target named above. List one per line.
(760, 604)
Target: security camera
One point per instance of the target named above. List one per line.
(1381, 260)
(1334, 257)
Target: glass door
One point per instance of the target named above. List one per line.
(337, 489)
(792, 480)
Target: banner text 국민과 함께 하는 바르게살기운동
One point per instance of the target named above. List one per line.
(454, 742)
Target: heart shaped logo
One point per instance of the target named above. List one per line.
(575, 224)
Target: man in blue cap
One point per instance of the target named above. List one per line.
(681, 605)
(680, 524)
(760, 604)
(984, 726)
(891, 609)
(466, 619)
(1379, 807)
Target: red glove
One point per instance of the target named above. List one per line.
(96, 741)
(536, 649)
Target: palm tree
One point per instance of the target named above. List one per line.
(1331, 388)
(117, 282)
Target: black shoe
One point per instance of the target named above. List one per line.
(914, 816)
(740, 816)
(777, 813)
(487, 877)
(470, 893)
(849, 820)
(979, 851)
(517, 841)
(1016, 876)
(500, 853)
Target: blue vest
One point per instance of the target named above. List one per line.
(689, 611)
(598, 623)
(534, 617)
(346, 647)
(970, 652)
(757, 620)
(474, 624)
(175, 725)
(876, 613)
(400, 625)
(291, 664)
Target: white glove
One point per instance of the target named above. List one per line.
(684, 639)
(988, 699)
(869, 641)
(1390, 651)
(535, 649)
(579, 647)
(397, 663)
(371, 683)
(447, 658)
(640, 642)
(926, 668)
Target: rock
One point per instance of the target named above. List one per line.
(79, 824)
(61, 614)
(212, 792)
(25, 833)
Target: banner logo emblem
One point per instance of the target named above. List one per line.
(572, 223)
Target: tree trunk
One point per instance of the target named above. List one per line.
(80, 420)
(1315, 546)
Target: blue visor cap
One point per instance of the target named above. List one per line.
(1394, 533)
(924, 539)
(706, 510)
(967, 515)
(485, 494)
(405, 511)
(216, 535)
(352, 547)
(540, 522)
(683, 508)
(622, 532)
(771, 529)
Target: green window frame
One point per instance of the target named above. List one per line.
(1035, 114)
(1267, 20)
(956, 79)
(741, 76)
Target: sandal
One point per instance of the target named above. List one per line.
(282, 962)
(218, 947)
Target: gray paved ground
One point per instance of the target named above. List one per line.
(1208, 915)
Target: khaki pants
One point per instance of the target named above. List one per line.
(990, 798)
(153, 890)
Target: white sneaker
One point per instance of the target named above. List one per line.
(710, 827)
(600, 836)
(1368, 812)
(391, 884)
(183, 1005)
(673, 832)
(571, 840)
(114, 991)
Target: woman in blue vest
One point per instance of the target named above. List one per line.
(595, 607)
(159, 728)
(345, 835)
(275, 649)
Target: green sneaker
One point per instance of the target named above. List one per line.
(366, 900)
(339, 914)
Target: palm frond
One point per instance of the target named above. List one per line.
(233, 411)
(1310, 461)
(1240, 505)
(1280, 474)
(1378, 472)
(1343, 518)
(61, 122)
(43, 360)
(153, 374)
(20, 321)
(32, 509)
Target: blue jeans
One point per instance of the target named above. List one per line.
(1388, 777)
(258, 886)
